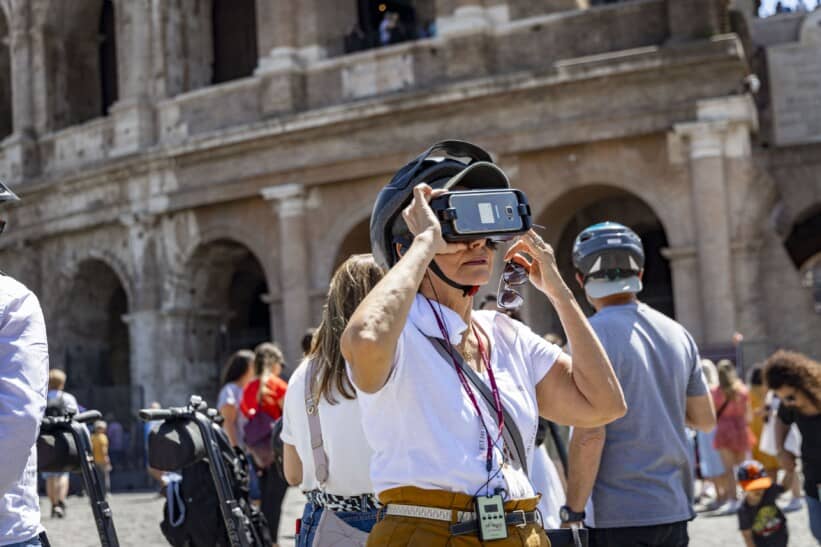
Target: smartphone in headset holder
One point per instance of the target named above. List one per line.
(476, 214)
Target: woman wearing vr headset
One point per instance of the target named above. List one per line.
(450, 396)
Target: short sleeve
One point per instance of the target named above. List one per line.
(696, 384)
(227, 396)
(279, 388)
(541, 353)
(786, 414)
(745, 518)
(293, 407)
(396, 365)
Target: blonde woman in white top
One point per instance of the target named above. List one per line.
(438, 447)
(347, 491)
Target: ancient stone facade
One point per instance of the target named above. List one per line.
(193, 170)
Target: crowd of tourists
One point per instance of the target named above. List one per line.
(415, 417)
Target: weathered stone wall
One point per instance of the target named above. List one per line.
(188, 193)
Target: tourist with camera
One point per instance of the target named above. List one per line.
(449, 396)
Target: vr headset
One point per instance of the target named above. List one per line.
(498, 214)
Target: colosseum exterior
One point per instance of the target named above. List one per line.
(191, 171)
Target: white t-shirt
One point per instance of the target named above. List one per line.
(231, 394)
(421, 424)
(23, 385)
(547, 482)
(342, 436)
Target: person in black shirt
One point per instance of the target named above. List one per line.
(796, 379)
(761, 522)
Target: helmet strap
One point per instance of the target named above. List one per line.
(467, 290)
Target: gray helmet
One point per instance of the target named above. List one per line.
(609, 256)
(6, 195)
(387, 226)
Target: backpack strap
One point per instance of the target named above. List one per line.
(312, 409)
(511, 434)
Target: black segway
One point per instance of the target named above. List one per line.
(188, 439)
(64, 445)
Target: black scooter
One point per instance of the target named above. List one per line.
(188, 435)
(64, 445)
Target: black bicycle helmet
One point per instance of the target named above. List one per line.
(440, 166)
(6, 195)
(609, 256)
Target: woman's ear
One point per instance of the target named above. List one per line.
(400, 249)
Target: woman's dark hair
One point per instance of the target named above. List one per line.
(351, 283)
(307, 339)
(236, 366)
(756, 376)
(789, 368)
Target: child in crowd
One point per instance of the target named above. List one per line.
(760, 520)
(99, 445)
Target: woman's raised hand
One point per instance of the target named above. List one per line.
(541, 264)
(421, 219)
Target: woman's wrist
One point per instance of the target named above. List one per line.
(426, 240)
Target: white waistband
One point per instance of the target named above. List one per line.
(432, 513)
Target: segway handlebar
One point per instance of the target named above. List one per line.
(83, 417)
(195, 404)
(151, 414)
(88, 416)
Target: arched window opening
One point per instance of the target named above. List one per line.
(357, 241)
(6, 116)
(804, 247)
(108, 57)
(234, 27)
(614, 205)
(228, 310)
(387, 22)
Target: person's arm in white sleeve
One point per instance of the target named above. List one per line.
(23, 381)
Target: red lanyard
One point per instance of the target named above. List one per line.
(497, 401)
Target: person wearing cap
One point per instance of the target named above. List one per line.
(636, 471)
(23, 387)
(435, 379)
(760, 520)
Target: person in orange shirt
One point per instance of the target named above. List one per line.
(266, 394)
(99, 446)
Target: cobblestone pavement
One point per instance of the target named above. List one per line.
(137, 517)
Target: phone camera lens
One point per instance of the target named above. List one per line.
(509, 211)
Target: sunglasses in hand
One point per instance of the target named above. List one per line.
(508, 298)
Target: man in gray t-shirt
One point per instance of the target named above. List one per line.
(636, 471)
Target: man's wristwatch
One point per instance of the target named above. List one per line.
(569, 515)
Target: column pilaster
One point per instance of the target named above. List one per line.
(289, 205)
(686, 290)
(712, 147)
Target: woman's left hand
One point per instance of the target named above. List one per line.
(541, 266)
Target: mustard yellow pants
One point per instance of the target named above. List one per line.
(417, 532)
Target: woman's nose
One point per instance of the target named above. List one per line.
(476, 243)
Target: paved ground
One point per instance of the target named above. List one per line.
(137, 518)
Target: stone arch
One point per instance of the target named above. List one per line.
(803, 244)
(581, 207)
(234, 38)
(93, 344)
(80, 59)
(6, 112)
(343, 235)
(356, 241)
(222, 300)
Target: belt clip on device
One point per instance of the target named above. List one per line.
(490, 516)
